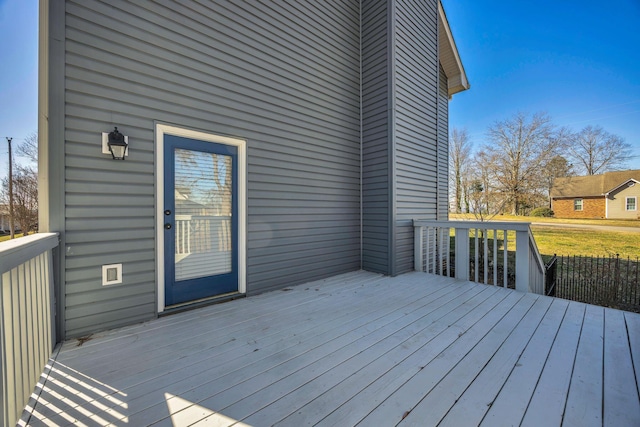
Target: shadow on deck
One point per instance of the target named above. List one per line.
(359, 348)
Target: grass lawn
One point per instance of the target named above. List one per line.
(7, 237)
(573, 241)
(611, 222)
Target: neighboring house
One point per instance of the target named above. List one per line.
(612, 195)
(322, 128)
(4, 219)
(5, 226)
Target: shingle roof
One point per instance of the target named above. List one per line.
(592, 185)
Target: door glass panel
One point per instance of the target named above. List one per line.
(202, 214)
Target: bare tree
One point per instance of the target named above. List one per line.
(29, 147)
(521, 146)
(482, 197)
(556, 167)
(459, 163)
(23, 205)
(25, 197)
(595, 150)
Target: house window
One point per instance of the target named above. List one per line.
(631, 203)
(577, 205)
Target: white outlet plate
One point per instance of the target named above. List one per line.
(111, 274)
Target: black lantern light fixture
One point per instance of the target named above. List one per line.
(117, 144)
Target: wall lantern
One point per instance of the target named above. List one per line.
(117, 144)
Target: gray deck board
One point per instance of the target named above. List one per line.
(509, 406)
(548, 401)
(357, 349)
(483, 387)
(621, 407)
(633, 328)
(586, 381)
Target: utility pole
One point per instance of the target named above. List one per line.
(11, 223)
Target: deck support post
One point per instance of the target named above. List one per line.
(418, 232)
(462, 253)
(522, 260)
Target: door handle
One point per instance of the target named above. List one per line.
(167, 226)
(167, 212)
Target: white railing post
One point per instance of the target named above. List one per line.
(418, 232)
(522, 260)
(462, 253)
(537, 272)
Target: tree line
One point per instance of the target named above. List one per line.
(514, 170)
(24, 188)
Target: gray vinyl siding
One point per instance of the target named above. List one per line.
(285, 77)
(416, 118)
(443, 148)
(375, 137)
(404, 150)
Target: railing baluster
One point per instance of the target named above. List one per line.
(449, 252)
(428, 250)
(439, 243)
(485, 256)
(505, 265)
(435, 252)
(495, 257)
(475, 254)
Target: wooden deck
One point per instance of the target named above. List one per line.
(357, 349)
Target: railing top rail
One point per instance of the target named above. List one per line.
(17, 251)
(501, 225)
(536, 252)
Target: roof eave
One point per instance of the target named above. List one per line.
(620, 185)
(449, 56)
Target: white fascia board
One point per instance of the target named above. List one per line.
(624, 183)
(450, 58)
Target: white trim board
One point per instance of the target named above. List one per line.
(164, 129)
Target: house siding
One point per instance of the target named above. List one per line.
(417, 141)
(443, 148)
(376, 191)
(405, 142)
(592, 207)
(283, 77)
(616, 203)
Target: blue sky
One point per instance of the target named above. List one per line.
(577, 60)
(18, 73)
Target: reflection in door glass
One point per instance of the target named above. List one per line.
(202, 214)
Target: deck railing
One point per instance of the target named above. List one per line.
(194, 232)
(27, 327)
(494, 253)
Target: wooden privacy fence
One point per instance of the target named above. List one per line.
(608, 281)
(27, 327)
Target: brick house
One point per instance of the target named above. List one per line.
(612, 195)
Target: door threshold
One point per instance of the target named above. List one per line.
(203, 302)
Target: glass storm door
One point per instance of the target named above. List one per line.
(200, 219)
